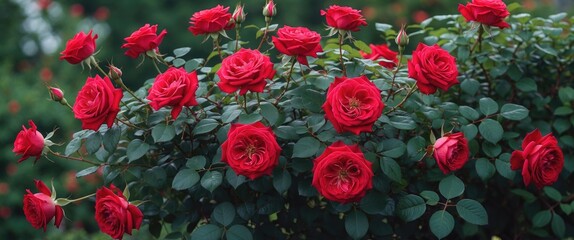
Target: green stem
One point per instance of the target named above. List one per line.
(341, 54)
(413, 89)
(245, 103)
(216, 44)
(395, 73)
(237, 38)
(74, 158)
(287, 84)
(156, 67)
(264, 34)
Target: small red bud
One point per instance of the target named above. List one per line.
(402, 38)
(238, 15)
(270, 10)
(56, 94)
(115, 73)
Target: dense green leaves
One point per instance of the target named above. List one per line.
(224, 213)
(391, 169)
(541, 218)
(163, 133)
(491, 130)
(205, 126)
(211, 180)
(136, 149)
(184, 179)
(472, 211)
(410, 207)
(306, 147)
(238, 232)
(207, 232)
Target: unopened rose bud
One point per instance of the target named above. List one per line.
(56, 94)
(238, 15)
(402, 38)
(269, 10)
(115, 73)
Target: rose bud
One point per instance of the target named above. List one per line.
(238, 15)
(29, 143)
(269, 10)
(402, 37)
(56, 94)
(451, 152)
(115, 73)
(40, 208)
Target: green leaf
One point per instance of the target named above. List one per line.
(196, 162)
(469, 131)
(566, 208)
(558, 226)
(410, 207)
(356, 224)
(403, 122)
(527, 85)
(362, 46)
(393, 148)
(472, 211)
(281, 180)
(526, 195)
(270, 113)
(373, 202)
(207, 232)
(441, 224)
(112, 138)
(73, 146)
(491, 130)
(391, 168)
(513, 112)
(470, 86)
(488, 106)
(163, 133)
(484, 169)
(503, 168)
(205, 126)
(136, 149)
(468, 112)
(229, 115)
(178, 62)
(238, 232)
(286, 132)
(541, 218)
(306, 147)
(93, 143)
(451, 187)
(155, 176)
(431, 197)
(563, 111)
(233, 179)
(250, 118)
(552, 193)
(180, 52)
(224, 213)
(87, 171)
(383, 27)
(211, 180)
(185, 179)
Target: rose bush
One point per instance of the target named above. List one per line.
(244, 144)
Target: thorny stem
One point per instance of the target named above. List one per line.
(287, 84)
(156, 67)
(264, 34)
(401, 49)
(413, 89)
(216, 44)
(245, 102)
(237, 38)
(341, 54)
(121, 83)
(74, 158)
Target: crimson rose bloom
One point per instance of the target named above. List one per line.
(353, 104)
(80, 47)
(451, 152)
(299, 42)
(342, 174)
(176, 88)
(382, 51)
(143, 40)
(29, 142)
(114, 214)
(432, 67)
(39, 208)
(211, 20)
(344, 18)
(488, 12)
(245, 70)
(541, 159)
(98, 102)
(251, 150)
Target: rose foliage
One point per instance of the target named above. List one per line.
(461, 127)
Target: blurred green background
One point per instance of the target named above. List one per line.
(35, 31)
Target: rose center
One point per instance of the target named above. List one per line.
(250, 150)
(354, 103)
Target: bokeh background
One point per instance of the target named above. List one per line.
(33, 32)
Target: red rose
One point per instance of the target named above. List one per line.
(381, 51)
(143, 40)
(353, 104)
(299, 42)
(488, 12)
(541, 159)
(245, 70)
(251, 150)
(40, 208)
(114, 214)
(98, 102)
(432, 67)
(344, 18)
(451, 152)
(80, 47)
(176, 88)
(29, 142)
(211, 20)
(342, 174)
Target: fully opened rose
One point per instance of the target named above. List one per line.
(251, 150)
(383, 54)
(176, 88)
(344, 18)
(211, 20)
(488, 12)
(451, 152)
(98, 102)
(353, 104)
(143, 40)
(114, 214)
(342, 174)
(245, 70)
(432, 67)
(29, 142)
(541, 159)
(299, 42)
(80, 47)
(40, 208)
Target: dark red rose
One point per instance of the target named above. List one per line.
(80, 47)
(342, 174)
(246, 70)
(211, 20)
(176, 88)
(29, 142)
(451, 152)
(382, 53)
(299, 42)
(432, 67)
(344, 18)
(251, 150)
(114, 214)
(40, 208)
(353, 104)
(143, 40)
(488, 12)
(98, 102)
(541, 159)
